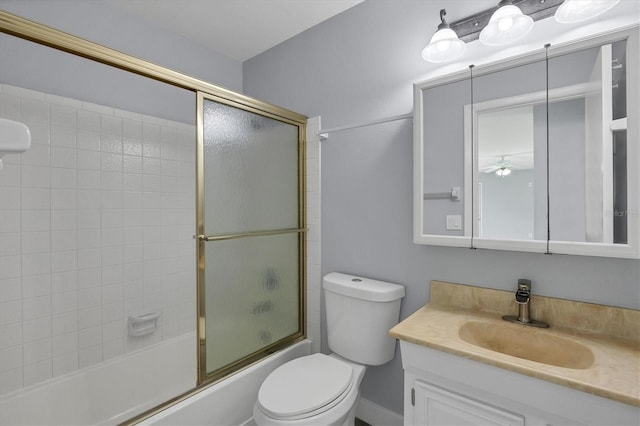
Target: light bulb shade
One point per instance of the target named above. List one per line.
(503, 171)
(572, 11)
(506, 25)
(444, 46)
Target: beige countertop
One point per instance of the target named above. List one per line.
(614, 373)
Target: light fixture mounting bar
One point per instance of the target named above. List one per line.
(468, 29)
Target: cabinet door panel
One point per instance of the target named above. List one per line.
(436, 406)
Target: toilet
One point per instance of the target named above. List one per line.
(321, 389)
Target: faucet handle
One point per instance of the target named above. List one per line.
(524, 291)
(524, 284)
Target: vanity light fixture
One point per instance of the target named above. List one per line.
(506, 25)
(445, 45)
(572, 11)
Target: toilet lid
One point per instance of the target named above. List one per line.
(304, 386)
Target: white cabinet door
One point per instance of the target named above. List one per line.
(437, 406)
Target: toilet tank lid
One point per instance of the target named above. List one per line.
(362, 288)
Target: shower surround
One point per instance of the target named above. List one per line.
(96, 225)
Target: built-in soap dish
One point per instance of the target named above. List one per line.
(144, 324)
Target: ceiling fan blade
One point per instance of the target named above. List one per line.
(490, 169)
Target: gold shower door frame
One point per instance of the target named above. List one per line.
(41, 34)
(203, 239)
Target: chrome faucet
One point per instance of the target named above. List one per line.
(523, 299)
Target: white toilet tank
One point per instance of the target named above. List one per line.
(360, 312)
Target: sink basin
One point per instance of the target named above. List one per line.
(527, 343)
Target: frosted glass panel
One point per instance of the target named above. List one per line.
(252, 295)
(250, 171)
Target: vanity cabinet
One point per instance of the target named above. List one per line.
(433, 405)
(445, 389)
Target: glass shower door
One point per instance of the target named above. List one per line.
(251, 235)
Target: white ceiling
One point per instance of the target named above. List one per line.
(239, 29)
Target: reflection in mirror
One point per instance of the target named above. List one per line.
(444, 159)
(620, 204)
(505, 173)
(587, 144)
(510, 153)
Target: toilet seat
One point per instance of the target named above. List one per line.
(305, 387)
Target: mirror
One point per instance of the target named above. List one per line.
(533, 154)
(507, 121)
(506, 175)
(444, 159)
(587, 144)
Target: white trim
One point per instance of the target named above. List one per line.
(377, 415)
(559, 94)
(619, 124)
(531, 246)
(313, 199)
(418, 166)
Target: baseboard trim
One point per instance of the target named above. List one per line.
(377, 415)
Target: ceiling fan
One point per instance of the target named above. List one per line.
(500, 166)
(506, 163)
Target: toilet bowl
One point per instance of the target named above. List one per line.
(321, 389)
(315, 390)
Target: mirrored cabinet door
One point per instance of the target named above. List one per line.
(444, 197)
(594, 153)
(508, 123)
(587, 144)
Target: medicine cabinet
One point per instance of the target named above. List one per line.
(536, 154)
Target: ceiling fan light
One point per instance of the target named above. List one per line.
(572, 11)
(503, 171)
(506, 25)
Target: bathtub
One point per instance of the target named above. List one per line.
(105, 394)
(229, 402)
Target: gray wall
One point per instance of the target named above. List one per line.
(100, 22)
(361, 65)
(28, 65)
(567, 207)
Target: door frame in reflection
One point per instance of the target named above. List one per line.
(561, 94)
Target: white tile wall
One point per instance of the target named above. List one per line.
(96, 224)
